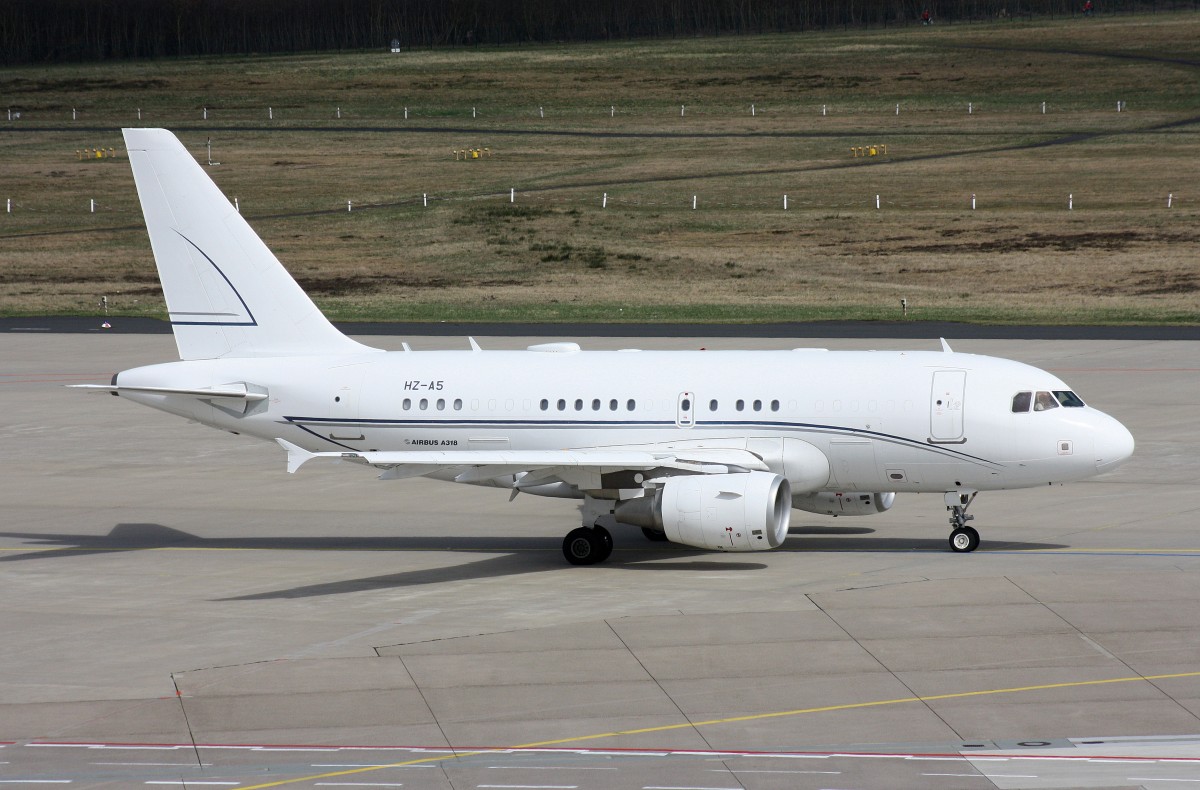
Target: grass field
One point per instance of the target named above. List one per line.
(611, 124)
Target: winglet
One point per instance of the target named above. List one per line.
(297, 455)
(946, 346)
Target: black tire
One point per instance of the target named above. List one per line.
(963, 540)
(582, 546)
(654, 535)
(604, 538)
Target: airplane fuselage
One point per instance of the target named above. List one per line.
(886, 421)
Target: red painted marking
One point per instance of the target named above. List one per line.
(965, 755)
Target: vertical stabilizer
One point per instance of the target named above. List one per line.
(227, 294)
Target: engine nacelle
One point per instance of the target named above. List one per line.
(854, 503)
(749, 511)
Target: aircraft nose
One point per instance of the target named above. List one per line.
(1114, 445)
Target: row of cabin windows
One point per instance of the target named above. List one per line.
(423, 404)
(1044, 401)
(740, 405)
(613, 405)
(631, 405)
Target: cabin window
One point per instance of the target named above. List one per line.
(545, 404)
(1069, 399)
(458, 404)
(441, 404)
(596, 404)
(407, 404)
(686, 405)
(1044, 401)
(578, 404)
(774, 405)
(712, 405)
(1021, 402)
(758, 405)
(424, 404)
(612, 405)
(630, 405)
(740, 405)
(562, 405)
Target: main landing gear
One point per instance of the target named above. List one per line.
(590, 543)
(587, 545)
(963, 538)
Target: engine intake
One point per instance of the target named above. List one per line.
(748, 511)
(853, 503)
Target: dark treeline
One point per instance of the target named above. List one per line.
(39, 31)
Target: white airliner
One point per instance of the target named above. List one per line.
(709, 449)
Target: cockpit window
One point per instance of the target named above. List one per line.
(1044, 401)
(1021, 402)
(1069, 399)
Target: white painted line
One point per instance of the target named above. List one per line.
(67, 745)
(616, 754)
(549, 768)
(791, 756)
(161, 765)
(533, 787)
(193, 782)
(937, 759)
(1139, 779)
(35, 781)
(763, 771)
(874, 756)
(970, 776)
(355, 784)
(658, 787)
(367, 765)
(1012, 776)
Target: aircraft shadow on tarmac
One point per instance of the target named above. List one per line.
(519, 555)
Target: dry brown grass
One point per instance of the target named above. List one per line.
(1120, 255)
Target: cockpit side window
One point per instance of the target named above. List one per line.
(1021, 402)
(1069, 399)
(1044, 401)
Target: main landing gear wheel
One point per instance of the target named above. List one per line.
(587, 545)
(964, 539)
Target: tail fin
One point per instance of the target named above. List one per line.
(227, 294)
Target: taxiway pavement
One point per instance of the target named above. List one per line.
(166, 584)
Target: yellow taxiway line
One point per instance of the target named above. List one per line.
(729, 720)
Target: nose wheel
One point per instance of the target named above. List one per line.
(963, 538)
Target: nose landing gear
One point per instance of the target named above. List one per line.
(963, 538)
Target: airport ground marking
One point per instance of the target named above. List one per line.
(730, 720)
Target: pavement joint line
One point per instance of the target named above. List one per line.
(731, 720)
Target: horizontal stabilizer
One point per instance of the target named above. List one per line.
(205, 392)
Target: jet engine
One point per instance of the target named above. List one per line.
(855, 503)
(748, 511)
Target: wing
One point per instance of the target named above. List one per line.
(577, 467)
